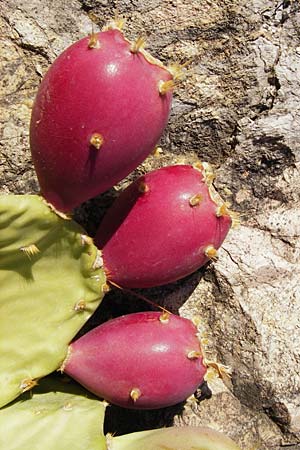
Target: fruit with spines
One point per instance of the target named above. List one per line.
(143, 360)
(99, 112)
(49, 417)
(164, 226)
(175, 438)
(50, 286)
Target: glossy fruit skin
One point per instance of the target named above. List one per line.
(139, 352)
(152, 235)
(110, 91)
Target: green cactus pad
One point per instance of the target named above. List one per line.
(57, 415)
(51, 284)
(173, 438)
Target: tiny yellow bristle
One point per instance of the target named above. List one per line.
(235, 219)
(222, 210)
(97, 140)
(98, 263)
(80, 305)
(137, 45)
(194, 354)
(30, 250)
(86, 240)
(196, 321)
(105, 288)
(68, 406)
(135, 394)
(115, 24)
(199, 166)
(210, 375)
(93, 41)
(216, 370)
(27, 384)
(164, 317)
(196, 199)
(176, 70)
(211, 252)
(166, 86)
(227, 192)
(157, 151)
(143, 187)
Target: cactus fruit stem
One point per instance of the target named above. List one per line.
(166, 86)
(138, 44)
(135, 394)
(211, 252)
(143, 187)
(97, 140)
(195, 199)
(30, 250)
(93, 41)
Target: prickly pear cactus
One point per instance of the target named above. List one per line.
(51, 284)
(58, 416)
(173, 438)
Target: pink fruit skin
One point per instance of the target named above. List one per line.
(138, 351)
(157, 237)
(107, 90)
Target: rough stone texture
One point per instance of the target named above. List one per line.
(238, 108)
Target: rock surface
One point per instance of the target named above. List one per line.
(237, 108)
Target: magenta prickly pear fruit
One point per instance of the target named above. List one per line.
(163, 227)
(99, 112)
(144, 360)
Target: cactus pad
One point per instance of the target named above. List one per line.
(175, 438)
(50, 286)
(59, 415)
